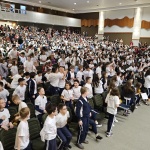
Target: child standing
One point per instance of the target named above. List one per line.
(22, 136)
(49, 131)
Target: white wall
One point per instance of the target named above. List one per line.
(35, 17)
(119, 14)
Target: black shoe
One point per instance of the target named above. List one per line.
(69, 146)
(99, 137)
(86, 142)
(80, 146)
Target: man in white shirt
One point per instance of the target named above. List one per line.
(62, 131)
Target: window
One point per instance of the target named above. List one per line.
(22, 9)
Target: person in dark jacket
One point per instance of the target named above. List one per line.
(83, 114)
(32, 87)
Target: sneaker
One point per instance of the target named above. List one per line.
(99, 125)
(99, 137)
(80, 146)
(109, 134)
(70, 146)
(136, 107)
(86, 142)
(116, 120)
(113, 125)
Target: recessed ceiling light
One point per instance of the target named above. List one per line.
(39, 1)
(88, 1)
(120, 3)
(75, 3)
(73, 9)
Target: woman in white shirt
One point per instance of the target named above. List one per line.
(113, 102)
(147, 82)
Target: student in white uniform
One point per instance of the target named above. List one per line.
(38, 77)
(21, 89)
(15, 78)
(113, 102)
(49, 130)
(4, 93)
(40, 104)
(4, 116)
(62, 131)
(89, 86)
(76, 90)
(67, 95)
(80, 75)
(22, 141)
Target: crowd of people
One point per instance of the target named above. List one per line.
(36, 64)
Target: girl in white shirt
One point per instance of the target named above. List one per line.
(67, 95)
(113, 102)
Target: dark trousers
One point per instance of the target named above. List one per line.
(69, 104)
(83, 130)
(65, 137)
(148, 92)
(33, 99)
(137, 99)
(28, 147)
(40, 119)
(110, 122)
(50, 145)
(93, 125)
(60, 90)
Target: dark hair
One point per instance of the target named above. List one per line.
(20, 80)
(26, 74)
(20, 72)
(32, 74)
(76, 81)
(54, 69)
(50, 108)
(68, 83)
(39, 89)
(1, 84)
(95, 80)
(60, 106)
(38, 72)
(115, 92)
(87, 78)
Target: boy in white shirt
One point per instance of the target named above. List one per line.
(76, 90)
(62, 131)
(4, 116)
(40, 104)
(22, 141)
(49, 131)
(38, 77)
(4, 93)
(89, 86)
(21, 89)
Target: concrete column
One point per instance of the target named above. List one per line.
(101, 25)
(137, 26)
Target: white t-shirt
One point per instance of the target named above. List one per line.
(68, 94)
(14, 82)
(61, 120)
(29, 66)
(112, 101)
(49, 128)
(38, 78)
(61, 83)
(79, 75)
(14, 70)
(41, 102)
(20, 91)
(5, 113)
(76, 92)
(99, 71)
(43, 59)
(99, 89)
(23, 132)
(3, 94)
(22, 105)
(89, 86)
(54, 79)
(147, 82)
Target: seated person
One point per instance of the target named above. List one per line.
(4, 116)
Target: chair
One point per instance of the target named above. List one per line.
(34, 129)
(91, 102)
(98, 102)
(12, 110)
(32, 110)
(8, 138)
(55, 99)
(44, 118)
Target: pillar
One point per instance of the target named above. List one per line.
(101, 25)
(137, 26)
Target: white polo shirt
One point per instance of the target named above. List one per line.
(3, 94)
(5, 113)
(79, 76)
(41, 102)
(68, 94)
(22, 105)
(76, 92)
(54, 79)
(89, 86)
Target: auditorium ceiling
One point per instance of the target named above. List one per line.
(79, 6)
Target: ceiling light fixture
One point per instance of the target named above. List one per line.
(88, 1)
(75, 3)
(73, 9)
(120, 3)
(39, 1)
